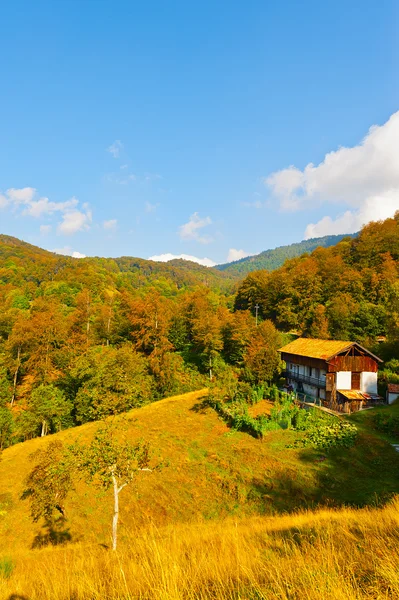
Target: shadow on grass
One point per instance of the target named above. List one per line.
(55, 534)
(362, 475)
(17, 597)
(201, 407)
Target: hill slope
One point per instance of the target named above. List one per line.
(213, 472)
(178, 538)
(273, 259)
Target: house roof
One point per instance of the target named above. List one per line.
(393, 388)
(351, 394)
(322, 349)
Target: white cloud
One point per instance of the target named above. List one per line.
(236, 254)
(110, 225)
(115, 148)
(67, 251)
(45, 229)
(37, 208)
(24, 198)
(22, 195)
(190, 230)
(206, 262)
(374, 208)
(75, 220)
(364, 180)
(23, 202)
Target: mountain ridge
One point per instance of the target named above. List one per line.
(226, 273)
(275, 257)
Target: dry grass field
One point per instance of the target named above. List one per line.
(229, 517)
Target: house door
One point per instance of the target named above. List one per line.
(355, 381)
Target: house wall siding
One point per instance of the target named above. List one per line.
(368, 382)
(357, 364)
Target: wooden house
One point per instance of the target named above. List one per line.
(340, 373)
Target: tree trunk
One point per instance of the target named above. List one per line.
(14, 389)
(116, 513)
(88, 319)
(109, 319)
(44, 429)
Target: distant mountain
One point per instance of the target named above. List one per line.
(273, 259)
(21, 262)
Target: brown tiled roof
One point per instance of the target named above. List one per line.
(393, 388)
(322, 349)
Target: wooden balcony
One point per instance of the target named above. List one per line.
(319, 382)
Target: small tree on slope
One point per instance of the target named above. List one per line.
(106, 462)
(110, 463)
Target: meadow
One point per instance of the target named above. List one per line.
(229, 516)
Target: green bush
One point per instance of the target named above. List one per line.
(322, 430)
(341, 434)
(387, 423)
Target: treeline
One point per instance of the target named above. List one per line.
(273, 259)
(348, 291)
(83, 339)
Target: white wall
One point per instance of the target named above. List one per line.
(344, 380)
(392, 397)
(368, 382)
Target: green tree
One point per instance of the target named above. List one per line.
(50, 480)
(6, 427)
(110, 381)
(107, 462)
(237, 333)
(262, 361)
(111, 463)
(49, 406)
(5, 387)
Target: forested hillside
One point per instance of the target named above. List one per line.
(347, 291)
(84, 338)
(81, 339)
(273, 259)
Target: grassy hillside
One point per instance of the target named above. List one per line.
(273, 259)
(208, 523)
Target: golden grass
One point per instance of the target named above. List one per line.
(261, 408)
(345, 554)
(195, 530)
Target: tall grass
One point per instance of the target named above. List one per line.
(342, 554)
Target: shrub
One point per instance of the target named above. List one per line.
(387, 423)
(322, 430)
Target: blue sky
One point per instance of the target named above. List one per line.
(211, 129)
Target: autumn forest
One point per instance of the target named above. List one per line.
(81, 339)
